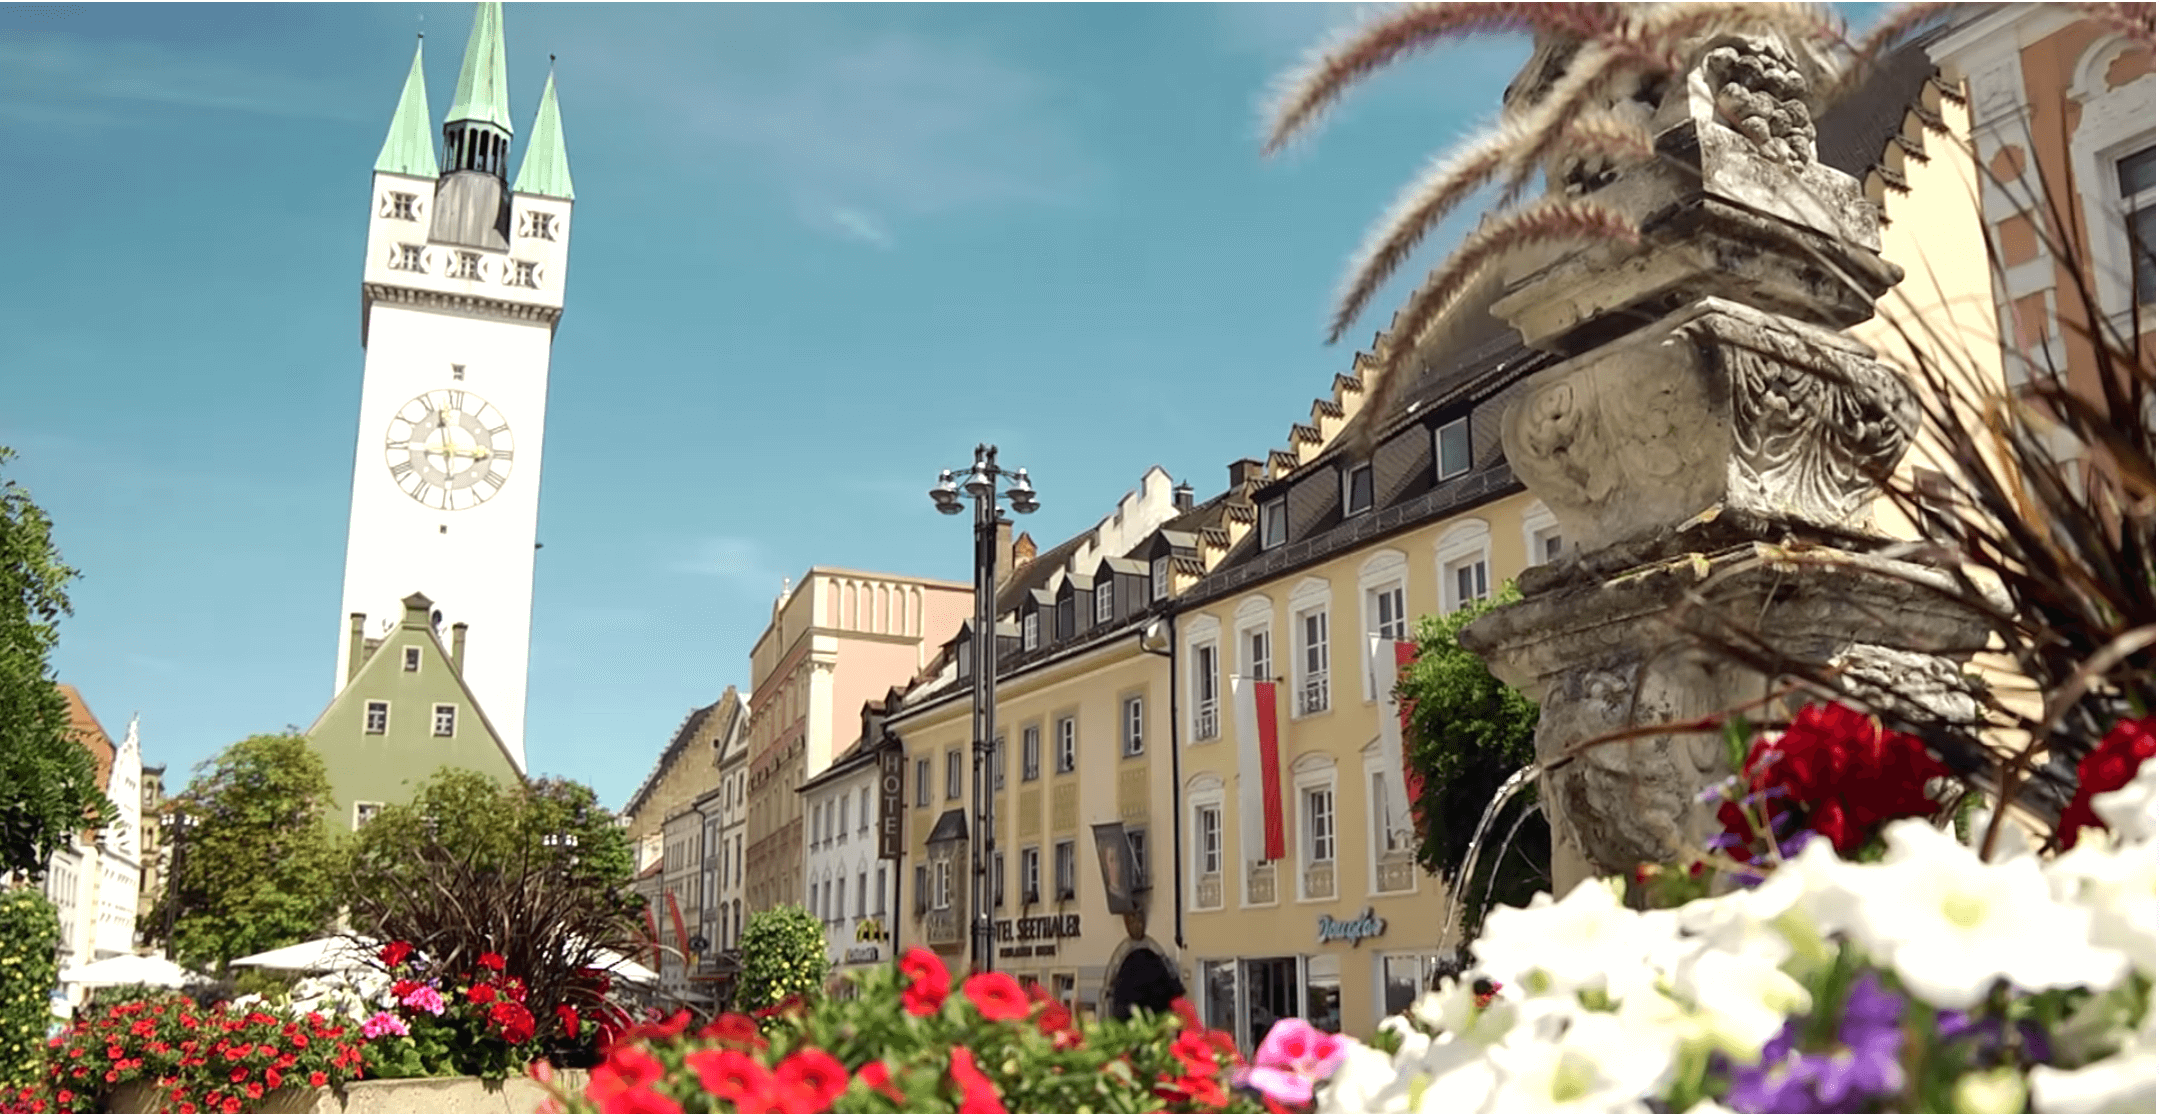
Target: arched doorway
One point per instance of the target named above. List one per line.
(1143, 979)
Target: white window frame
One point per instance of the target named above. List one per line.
(1159, 578)
(1349, 487)
(924, 789)
(1030, 630)
(1204, 797)
(368, 723)
(412, 659)
(1438, 452)
(1256, 616)
(1105, 599)
(1031, 752)
(997, 879)
(436, 722)
(955, 774)
(1065, 862)
(1133, 719)
(1384, 574)
(2112, 123)
(1030, 874)
(364, 811)
(1203, 683)
(1068, 744)
(1311, 661)
(1461, 544)
(842, 830)
(1538, 525)
(1316, 773)
(940, 885)
(1274, 523)
(1378, 830)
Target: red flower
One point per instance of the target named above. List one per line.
(1839, 772)
(733, 1028)
(317, 1079)
(567, 1017)
(395, 953)
(876, 1076)
(928, 982)
(255, 1090)
(997, 996)
(403, 987)
(728, 1074)
(274, 1078)
(231, 1105)
(515, 988)
(626, 1068)
(2109, 767)
(640, 1101)
(491, 961)
(1190, 1091)
(1192, 1050)
(812, 1077)
(1186, 1015)
(977, 1094)
(515, 1021)
(481, 994)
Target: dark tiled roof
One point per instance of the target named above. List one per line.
(1853, 134)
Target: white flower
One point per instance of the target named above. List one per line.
(2119, 888)
(1950, 925)
(1743, 1000)
(1453, 1009)
(2133, 811)
(2001, 1091)
(1597, 1067)
(1366, 1082)
(1587, 941)
(1456, 1077)
(2121, 1084)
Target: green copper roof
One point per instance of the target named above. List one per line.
(410, 146)
(483, 82)
(546, 169)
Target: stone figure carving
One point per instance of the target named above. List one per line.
(1761, 93)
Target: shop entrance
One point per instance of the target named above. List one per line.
(1271, 993)
(1143, 981)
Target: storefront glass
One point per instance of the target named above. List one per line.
(1271, 993)
(1323, 993)
(1403, 978)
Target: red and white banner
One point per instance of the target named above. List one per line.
(1260, 789)
(652, 933)
(1387, 659)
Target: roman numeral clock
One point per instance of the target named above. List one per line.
(449, 450)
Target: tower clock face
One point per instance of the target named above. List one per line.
(449, 450)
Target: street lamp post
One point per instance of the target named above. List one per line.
(981, 485)
(177, 823)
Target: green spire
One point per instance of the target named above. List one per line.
(483, 82)
(546, 169)
(410, 146)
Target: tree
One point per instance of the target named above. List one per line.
(48, 780)
(537, 873)
(783, 956)
(1468, 734)
(258, 870)
(29, 939)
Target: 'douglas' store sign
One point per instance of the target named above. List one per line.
(1355, 930)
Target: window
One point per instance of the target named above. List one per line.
(1159, 578)
(1207, 717)
(2134, 193)
(1259, 659)
(1030, 753)
(1545, 546)
(1030, 875)
(467, 265)
(997, 879)
(364, 811)
(1388, 618)
(1403, 978)
(1065, 628)
(881, 889)
(1313, 662)
(1105, 600)
(1451, 447)
(1030, 630)
(457, 373)
(862, 893)
(377, 719)
(1357, 490)
(1068, 870)
(997, 764)
(941, 884)
(1207, 839)
(409, 258)
(1466, 582)
(400, 206)
(522, 274)
(922, 889)
(922, 783)
(952, 775)
(1320, 825)
(1135, 726)
(843, 818)
(862, 824)
(1068, 745)
(539, 226)
(1137, 837)
(1274, 523)
(445, 721)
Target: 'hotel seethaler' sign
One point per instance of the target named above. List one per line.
(1365, 927)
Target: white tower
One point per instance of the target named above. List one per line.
(458, 303)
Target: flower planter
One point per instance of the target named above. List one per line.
(143, 1098)
(443, 1095)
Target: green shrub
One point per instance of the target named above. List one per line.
(29, 938)
(783, 956)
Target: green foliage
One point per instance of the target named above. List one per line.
(29, 938)
(258, 870)
(48, 780)
(783, 956)
(537, 873)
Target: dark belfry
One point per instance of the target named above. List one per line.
(472, 203)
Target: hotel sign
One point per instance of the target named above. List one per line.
(1035, 936)
(1355, 930)
(892, 778)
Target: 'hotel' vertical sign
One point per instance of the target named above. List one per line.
(892, 766)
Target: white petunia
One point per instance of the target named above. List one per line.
(1599, 1066)
(1950, 925)
(1453, 1009)
(2120, 889)
(1743, 1001)
(1587, 941)
(1455, 1077)
(2120, 1084)
(2132, 812)
(1366, 1082)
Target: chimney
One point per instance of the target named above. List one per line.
(1181, 497)
(1004, 555)
(356, 645)
(457, 647)
(1248, 469)
(1023, 550)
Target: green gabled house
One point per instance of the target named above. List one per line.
(403, 713)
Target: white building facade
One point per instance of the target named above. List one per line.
(847, 886)
(734, 812)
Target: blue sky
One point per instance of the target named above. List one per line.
(819, 253)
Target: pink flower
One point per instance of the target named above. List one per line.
(425, 998)
(383, 1025)
(1292, 1058)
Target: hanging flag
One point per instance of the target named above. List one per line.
(652, 933)
(1387, 658)
(1260, 811)
(682, 939)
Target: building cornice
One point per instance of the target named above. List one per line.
(473, 304)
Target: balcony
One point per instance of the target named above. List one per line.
(1319, 881)
(1206, 725)
(1312, 694)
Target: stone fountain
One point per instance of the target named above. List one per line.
(1708, 420)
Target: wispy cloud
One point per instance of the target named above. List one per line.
(859, 225)
(59, 78)
(741, 562)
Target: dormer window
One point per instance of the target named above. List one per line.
(964, 658)
(1451, 448)
(1030, 630)
(1105, 601)
(1357, 490)
(1274, 522)
(1159, 578)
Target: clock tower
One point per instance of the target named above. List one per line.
(459, 297)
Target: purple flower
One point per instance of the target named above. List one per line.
(1843, 1080)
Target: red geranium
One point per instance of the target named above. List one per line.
(567, 1017)
(491, 961)
(997, 996)
(395, 953)
(2109, 767)
(809, 1080)
(977, 1094)
(733, 1028)
(1191, 1048)
(481, 994)
(513, 1019)
(928, 982)
(876, 1076)
(1834, 771)
(729, 1075)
